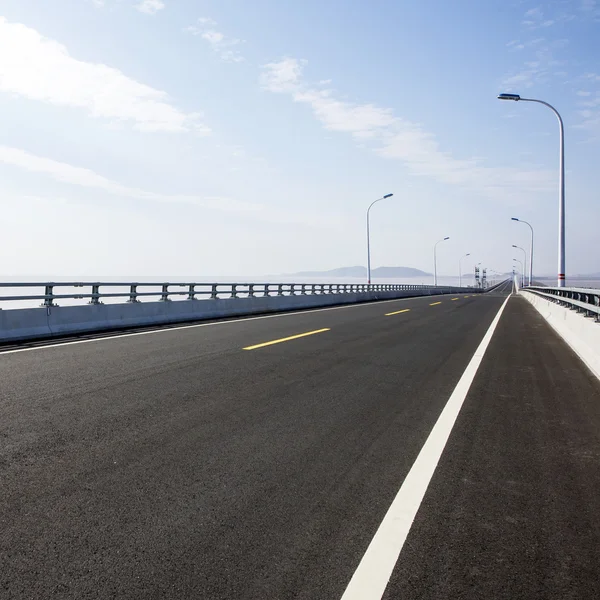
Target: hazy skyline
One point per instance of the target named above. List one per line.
(184, 137)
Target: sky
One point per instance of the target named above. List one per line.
(227, 137)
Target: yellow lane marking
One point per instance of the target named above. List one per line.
(397, 312)
(465, 296)
(454, 299)
(434, 303)
(286, 339)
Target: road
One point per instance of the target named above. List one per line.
(209, 462)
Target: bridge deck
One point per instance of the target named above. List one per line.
(175, 464)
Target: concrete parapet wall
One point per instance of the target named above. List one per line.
(46, 322)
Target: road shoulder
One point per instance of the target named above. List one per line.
(513, 510)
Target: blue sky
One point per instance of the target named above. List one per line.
(189, 137)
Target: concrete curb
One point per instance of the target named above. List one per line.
(581, 333)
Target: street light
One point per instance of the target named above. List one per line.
(522, 274)
(524, 262)
(369, 236)
(561, 184)
(460, 270)
(435, 259)
(530, 248)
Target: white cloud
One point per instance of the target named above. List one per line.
(78, 176)
(541, 69)
(150, 7)
(225, 47)
(519, 45)
(590, 105)
(536, 18)
(395, 138)
(282, 76)
(535, 13)
(39, 68)
(590, 6)
(65, 173)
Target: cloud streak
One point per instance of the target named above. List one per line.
(395, 138)
(38, 68)
(542, 67)
(150, 7)
(78, 176)
(226, 48)
(589, 104)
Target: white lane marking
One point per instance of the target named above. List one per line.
(228, 322)
(375, 569)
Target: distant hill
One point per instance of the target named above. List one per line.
(384, 272)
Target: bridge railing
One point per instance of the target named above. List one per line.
(52, 293)
(584, 300)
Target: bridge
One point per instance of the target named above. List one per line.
(303, 442)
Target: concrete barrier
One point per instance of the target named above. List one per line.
(580, 332)
(35, 323)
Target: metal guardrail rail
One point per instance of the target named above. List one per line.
(95, 292)
(584, 300)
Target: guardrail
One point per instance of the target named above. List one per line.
(72, 308)
(584, 300)
(96, 292)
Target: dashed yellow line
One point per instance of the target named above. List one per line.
(397, 312)
(453, 299)
(465, 296)
(434, 303)
(286, 339)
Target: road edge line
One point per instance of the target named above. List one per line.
(373, 573)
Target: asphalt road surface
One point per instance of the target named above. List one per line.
(208, 462)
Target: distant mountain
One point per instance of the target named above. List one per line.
(383, 272)
(399, 272)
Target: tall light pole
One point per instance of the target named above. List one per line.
(522, 273)
(524, 261)
(530, 248)
(460, 269)
(435, 259)
(561, 183)
(369, 236)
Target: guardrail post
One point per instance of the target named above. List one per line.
(164, 297)
(267, 290)
(234, 292)
(133, 293)
(280, 289)
(214, 292)
(303, 290)
(251, 290)
(95, 299)
(192, 292)
(49, 293)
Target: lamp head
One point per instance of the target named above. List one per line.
(514, 97)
